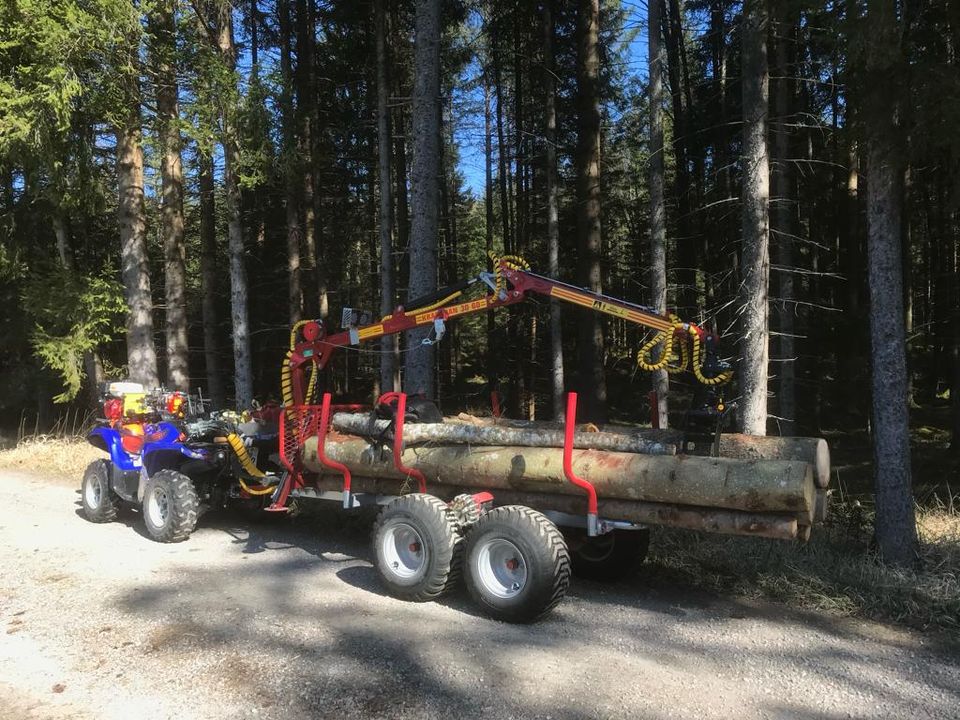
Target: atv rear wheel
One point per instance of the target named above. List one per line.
(170, 506)
(100, 503)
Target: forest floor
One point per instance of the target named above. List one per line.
(286, 620)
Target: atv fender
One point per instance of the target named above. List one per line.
(108, 440)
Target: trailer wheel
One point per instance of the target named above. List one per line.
(100, 503)
(170, 506)
(610, 557)
(517, 564)
(416, 546)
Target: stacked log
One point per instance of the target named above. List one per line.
(763, 486)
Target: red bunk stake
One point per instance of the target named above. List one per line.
(322, 451)
(570, 425)
(398, 444)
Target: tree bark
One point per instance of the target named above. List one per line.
(303, 79)
(208, 274)
(171, 210)
(895, 526)
(493, 354)
(751, 486)
(461, 433)
(291, 163)
(553, 211)
(755, 266)
(132, 219)
(425, 188)
(658, 212)
(239, 299)
(390, 345)
(592, 377)
(778, 526)
(782, 221)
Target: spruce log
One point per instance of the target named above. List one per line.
(747, 485)
(732, 445)
(729, 522)
(458, 433)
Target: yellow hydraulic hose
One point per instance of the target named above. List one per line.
(248, 465)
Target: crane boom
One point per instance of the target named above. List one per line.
(510, 283)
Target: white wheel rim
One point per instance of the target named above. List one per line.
(158, 507)
(501, 568)
(403, 551)
(91, 493)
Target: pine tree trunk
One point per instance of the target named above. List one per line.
(895, 525)
(389, 346)
(425, 188)
(208, 274)
(132, 219)
(592, 379)
(291, 162)
(493, 354)
(782, 222)
(658, 211)
(315, 289)
(239, 299)
(553, 211)
(755, 270)
(171, 210)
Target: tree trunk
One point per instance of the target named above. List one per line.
(291, 162)
(132, 218)
(425, 188)
(61, 230)
(171, 209)
(209, 274)
(493, 354)
(895, 525)
(390, 345)
(243, 367)
(315, 289)
(658, 212)
(782, 222)
(755, 271)
(753, 486)
(592, 380)
(553, 211)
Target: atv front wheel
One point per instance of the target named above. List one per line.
(170, 506)
(100, 503)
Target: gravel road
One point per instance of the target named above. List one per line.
(286, 620)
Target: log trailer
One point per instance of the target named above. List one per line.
(448, 511)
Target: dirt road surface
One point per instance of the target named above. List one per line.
(287, 621)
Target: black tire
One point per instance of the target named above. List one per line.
(517, 564)
(611, 557)
(170, 506)
(416, 547)
(100, 503)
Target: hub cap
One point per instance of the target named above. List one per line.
(92, 493)
(158, 507)
(403, 551)
(501, 568)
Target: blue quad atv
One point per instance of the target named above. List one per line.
(174, 464)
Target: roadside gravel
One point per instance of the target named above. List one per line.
(285, 620)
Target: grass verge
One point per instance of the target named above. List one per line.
(837, 571)
(57, 455)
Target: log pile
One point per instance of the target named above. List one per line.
(758, 486)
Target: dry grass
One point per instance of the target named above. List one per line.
(51, 455)
(836, 571)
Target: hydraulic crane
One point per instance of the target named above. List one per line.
(510, 282)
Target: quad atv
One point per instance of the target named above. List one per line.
(173, 463)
